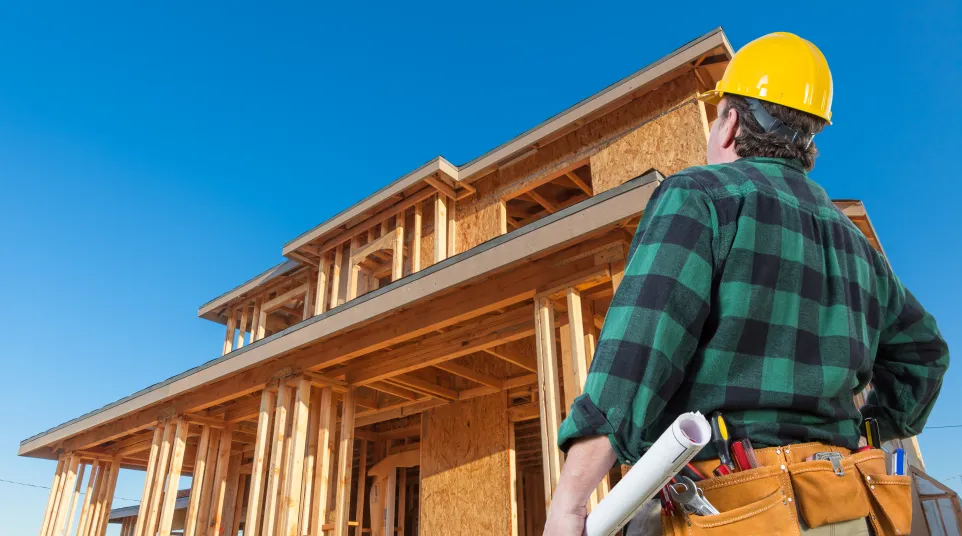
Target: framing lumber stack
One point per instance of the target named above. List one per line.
(405, 370)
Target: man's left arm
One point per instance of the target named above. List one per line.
(652, 328)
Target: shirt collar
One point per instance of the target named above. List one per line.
(793, 163)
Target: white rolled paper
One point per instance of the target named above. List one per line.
(676, 447)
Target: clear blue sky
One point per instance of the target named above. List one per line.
(154, 156)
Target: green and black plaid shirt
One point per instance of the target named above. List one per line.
(747, 291)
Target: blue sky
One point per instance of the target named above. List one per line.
(155, 155)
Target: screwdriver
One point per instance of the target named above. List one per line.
(719, 437)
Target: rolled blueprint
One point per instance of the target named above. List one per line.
(676, 447)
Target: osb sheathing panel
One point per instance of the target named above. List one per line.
(669, 144)
(477, 216)
(465, 475)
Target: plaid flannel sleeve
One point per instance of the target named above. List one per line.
(653, 325)
(911, 361)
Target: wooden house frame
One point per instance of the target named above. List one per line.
(405, 370)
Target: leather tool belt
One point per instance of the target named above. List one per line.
(769, 499)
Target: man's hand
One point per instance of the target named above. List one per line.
(563, 521)
(588, 461)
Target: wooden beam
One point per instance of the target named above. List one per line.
(540, 199)
(50, 511)
(310, 459)
(206, 491)
(336, 275)
(617, 274)
(281, 299)
(511, 354)
(344, 461)
(108, 498)
(242, 327)
(452, 227)
(470, 374)
(397, 262)
(578, 182)
(228, 511)
(441, 187)
(390, 389)
(416, 241)
(197, 482)
(173, 474)
(229, 335)
(96, 503)
(548, 388)
(220, 480)
(71, 508)
(291, 502)
(163, 457)
(354, 271)
(257, 319)
(261, 442)
(512, 480)
(425, 387)
(502, 217)
(327, 414)
(386, 242)
(402, 499)
(324, 269)
(440, 228)
(403, 409)
(85, 510)
(361, 485)
(277, 458)
(524, 412)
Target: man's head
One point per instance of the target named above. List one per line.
(737, 133)
(775, 95)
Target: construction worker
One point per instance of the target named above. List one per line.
(748, 292)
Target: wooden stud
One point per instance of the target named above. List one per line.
(88, 497)
(548, 389)
(310, 459)
(242, 484)
(229, 336)
(76, 495)
(513, 479)
(290, 503)
(261, 442)
(320, 302)
(573, 177)
(703, 113)
(173, 475)
(88, 523)
(416, 239)
(361, 485)
(107, 498)
(220, 480)
(160, 473)
(452, 227)
(502, 217)
(277, 453)
(345, 458)
(440, 228)
(336, 275)
(52, 496)
(323, 442)
(397, 262)
(242, 327)
(617, 274)
(540, 199)
(206, 492)
(229, 512)
(308, 308)
(402, 500)
(355, 271)
(286, 456)
(197, 482)
(66, 485)
(255, 320)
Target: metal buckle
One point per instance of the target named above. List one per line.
(833, 457)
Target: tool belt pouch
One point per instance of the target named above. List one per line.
(890, 496)
(750, 502)
(829, 491)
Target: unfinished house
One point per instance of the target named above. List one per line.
(405, 370)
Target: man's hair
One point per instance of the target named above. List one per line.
(752, 140)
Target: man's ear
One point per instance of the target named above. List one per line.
(729, 128)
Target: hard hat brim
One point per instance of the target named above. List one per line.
(712, 97)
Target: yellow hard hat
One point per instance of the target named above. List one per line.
(781, 68)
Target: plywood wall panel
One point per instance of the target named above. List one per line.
(465, 471)
(477, 216)
(669, 144)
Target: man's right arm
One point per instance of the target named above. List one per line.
(909, 366)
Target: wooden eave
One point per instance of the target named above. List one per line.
(248, 369)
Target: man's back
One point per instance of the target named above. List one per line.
(747, 291)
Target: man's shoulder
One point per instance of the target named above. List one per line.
(718, 180)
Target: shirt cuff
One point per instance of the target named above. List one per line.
(586, 420)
